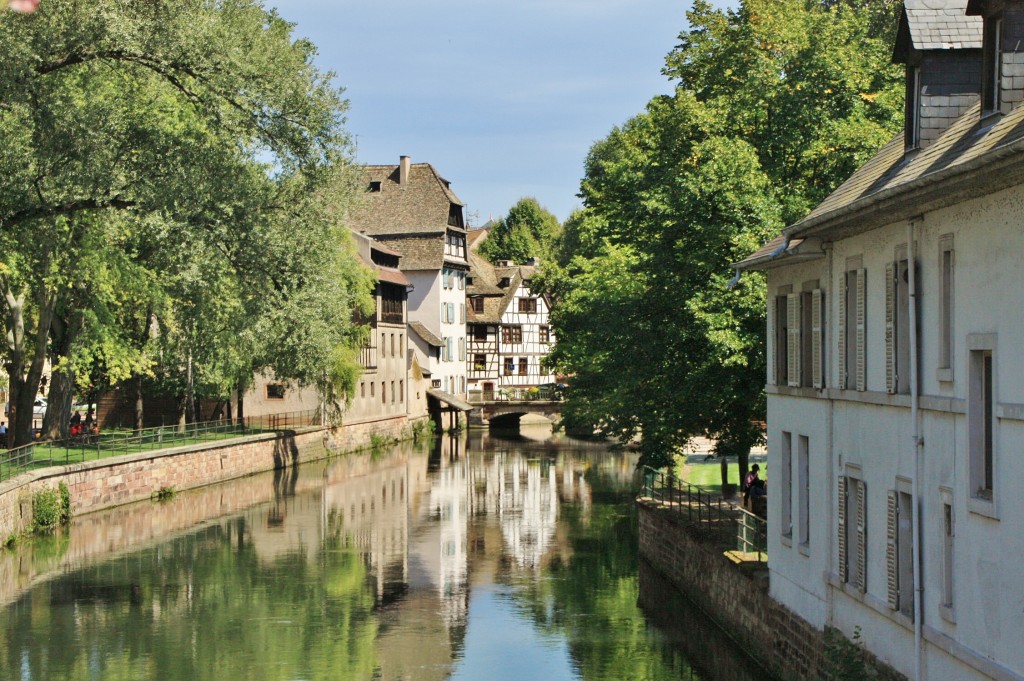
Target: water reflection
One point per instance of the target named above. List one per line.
(483, 559)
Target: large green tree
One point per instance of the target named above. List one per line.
(197, 124)
(776, 103)
(528, 231)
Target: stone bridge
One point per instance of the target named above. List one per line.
(508, 412)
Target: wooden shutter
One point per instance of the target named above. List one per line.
(793, 339)
(841, 331)
(890, 328)
(844, 574)
(817, 339)
(892, 564)
(861, 331)
(862, 536)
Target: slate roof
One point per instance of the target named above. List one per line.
(421, 205)
(941, 25)
(973, 158)
(426, 334)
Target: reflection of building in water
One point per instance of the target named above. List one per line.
(524, 495)
(438, 545)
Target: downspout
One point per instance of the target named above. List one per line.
(918, 447)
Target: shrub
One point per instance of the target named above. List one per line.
(51, 507)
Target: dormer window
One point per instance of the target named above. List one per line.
(375, 186)
(455, 216)
(992, 71)
(913, 114)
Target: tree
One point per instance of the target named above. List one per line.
(198, 121)
(528, 231)
(776, 103)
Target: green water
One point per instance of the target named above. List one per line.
(487, 559)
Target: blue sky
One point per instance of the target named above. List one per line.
(504, 98)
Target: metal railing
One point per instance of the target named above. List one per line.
(101, 445)
(752, 535)
(728, 524)
(536, 394)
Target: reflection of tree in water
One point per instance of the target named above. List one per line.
(591, 596)
(202, 607)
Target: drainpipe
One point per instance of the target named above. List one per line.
(918, 447)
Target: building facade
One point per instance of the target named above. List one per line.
(412, 209)
(894, 344)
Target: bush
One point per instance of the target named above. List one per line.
(51, 507)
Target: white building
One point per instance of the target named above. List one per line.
(412, 209)
(895, 413)
(508, 330)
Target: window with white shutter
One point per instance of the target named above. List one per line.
(793, 339)
(861, 581)
(892, 551)
(861, 331)
(842, 535)
(817, 338)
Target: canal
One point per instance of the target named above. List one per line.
(474, 558)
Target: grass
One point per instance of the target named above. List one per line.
(707, 474)
(110, 444)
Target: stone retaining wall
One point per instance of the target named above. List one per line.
(113, 481)
(737, 599)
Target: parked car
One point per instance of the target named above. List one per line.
(38, 407)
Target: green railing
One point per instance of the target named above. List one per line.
(90, 447)
(728, 524)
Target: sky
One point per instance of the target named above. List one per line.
(504, 98)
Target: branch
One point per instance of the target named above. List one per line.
(65, 209)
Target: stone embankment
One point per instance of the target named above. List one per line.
(105, 483)
(736, 597)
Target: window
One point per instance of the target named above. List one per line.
(451, 313)
(362, 389)
(852, 328)
(786, 485)
(510, 366)
(852, 531)
(373, 390)
(444, 349)
(948, 535)
(981, 417)
(912, 135)
(462, 281)
(544, 334)
(782, 337)
(945, 372)
(897, 324)
(803, 507)
(478, 304)
(401, 345)
(512, 334)
(401, 391)
(479, 332)
(393, 396)
(391, 299)
(462, 349)
(462, 313)
(462, 385)
(383, 392)
(392, 345)
(374, 186)
(479, 362)
(899, 546)
(275, 391)
(528, 305)
(451, 348)
(524, 366)
(444, 278)
(991, 66)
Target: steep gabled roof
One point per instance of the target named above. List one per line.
(421, 251)
(973, 158)
(938, 25)
(422, 204)
(365, 246)
(426, 334)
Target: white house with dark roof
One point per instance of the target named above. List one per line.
(412, 209)
(896, 347)
(508, 330)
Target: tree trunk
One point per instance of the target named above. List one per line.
(139, 420)
(23, 369)
(63, 334)
(241, 403)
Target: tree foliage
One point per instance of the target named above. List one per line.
(528, 231)
(161, 164)
(776, 103)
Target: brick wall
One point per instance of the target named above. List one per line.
(736, 598)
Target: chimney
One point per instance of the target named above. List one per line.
(403, 170)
